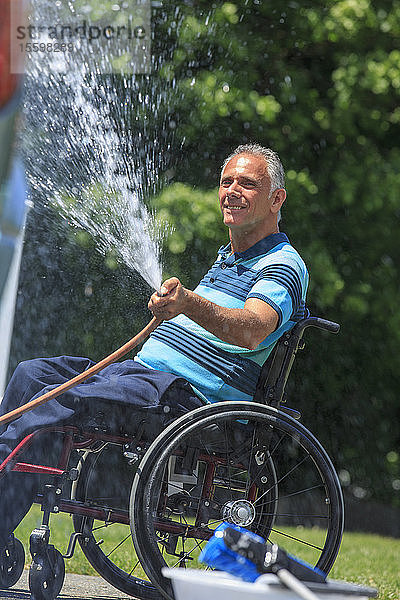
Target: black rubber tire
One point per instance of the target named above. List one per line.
(304, 478)
(104, 550)
(12, 563)
(46, 575)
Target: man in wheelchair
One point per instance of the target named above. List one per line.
(210, 345)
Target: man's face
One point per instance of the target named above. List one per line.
(244, 192)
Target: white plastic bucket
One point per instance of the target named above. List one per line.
(192, 584)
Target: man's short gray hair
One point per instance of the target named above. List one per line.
(274, 165)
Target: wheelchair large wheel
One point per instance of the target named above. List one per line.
(239, 462)
(104, 485)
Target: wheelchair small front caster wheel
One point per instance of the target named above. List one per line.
(46, 575)
(12, 561)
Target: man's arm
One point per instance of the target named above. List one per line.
(246, 327)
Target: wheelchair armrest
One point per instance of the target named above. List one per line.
(330, 326)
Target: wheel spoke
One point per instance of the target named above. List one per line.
(296, 539)
(135, 566)
(182, 558)
(297, 466)
(108, 524)
(118, 545)
(302, 491)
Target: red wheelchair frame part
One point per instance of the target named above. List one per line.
(74, 439)
(12, 463)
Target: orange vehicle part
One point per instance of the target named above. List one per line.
(8, 81)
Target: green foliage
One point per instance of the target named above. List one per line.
(369, 560)
(197, 230)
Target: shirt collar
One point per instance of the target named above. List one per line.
(261, 247)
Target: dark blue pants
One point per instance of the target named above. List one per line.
(115, 395)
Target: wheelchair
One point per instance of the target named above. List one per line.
(139, 504)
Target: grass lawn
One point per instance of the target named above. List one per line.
(371, 560)
(365, 559)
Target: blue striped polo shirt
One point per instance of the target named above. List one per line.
(271, 271)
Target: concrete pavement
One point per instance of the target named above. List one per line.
(76, 587)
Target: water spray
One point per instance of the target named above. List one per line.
(105, 195)
(96, 139)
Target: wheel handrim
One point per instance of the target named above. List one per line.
(294, 531)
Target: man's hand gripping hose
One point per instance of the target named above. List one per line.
(116, 355)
